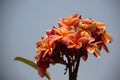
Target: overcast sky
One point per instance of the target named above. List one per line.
(23, 22)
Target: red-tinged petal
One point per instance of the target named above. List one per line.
(105, 48)
(71, 45)
(84, 57)
(97, 53)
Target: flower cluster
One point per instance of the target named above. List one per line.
(75, 38)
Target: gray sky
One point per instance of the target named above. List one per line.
(23, 22)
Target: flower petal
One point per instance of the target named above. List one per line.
(71, 45)
(78, 46)
(45, 53)
(42, 70)
(105, 48)
(91, 49)
(107, 38)
(85, 56)
(97, 53)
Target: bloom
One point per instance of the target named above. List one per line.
(46, 46)
(78, 39)
(70, 22)
(74, 38)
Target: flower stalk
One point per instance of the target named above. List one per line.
(73, 72)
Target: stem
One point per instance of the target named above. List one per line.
(70, 68)
(76, 68)
(73, 72)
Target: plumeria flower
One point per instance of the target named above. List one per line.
(70, 22)
(87, 25)
(78, 39)
(64, 33)
(47, 47)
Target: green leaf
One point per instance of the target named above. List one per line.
(26, 61)
(31, 64)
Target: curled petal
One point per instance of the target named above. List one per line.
(71, 45)
(86, 40)
(91, 49)
(107, 38)
(97, 53)
(50, 51)
(78, 46)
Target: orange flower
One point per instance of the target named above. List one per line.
(78, 39)
(47, 47)
(64, 33)
(70, 22)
